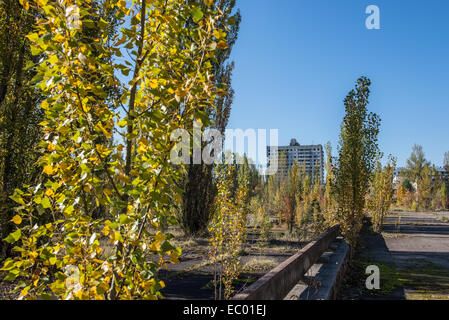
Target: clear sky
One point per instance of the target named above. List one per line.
(296, 60)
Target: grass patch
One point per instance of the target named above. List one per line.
(424, 279)
(259, 264)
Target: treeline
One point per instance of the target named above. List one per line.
(420, 186)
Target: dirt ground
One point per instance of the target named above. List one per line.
(193, 277)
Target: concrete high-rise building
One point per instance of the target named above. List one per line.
(312, 156)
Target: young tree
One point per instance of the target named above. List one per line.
(357, 152)
(228, 230)
(168, 85)
(291, 195)
(444, 195)
(381, 193)
(329, 199)
(425, 187)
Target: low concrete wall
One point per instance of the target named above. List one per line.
(324, 278)
(276, 284)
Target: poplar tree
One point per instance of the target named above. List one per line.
(357, 153)
(77, 255)
(199, 184)
(381, 193)
(19, 112)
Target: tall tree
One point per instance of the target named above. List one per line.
(168, 86)
(357, 152)
(199, 189)
(415, 164)
(19, 114)
(329, 199)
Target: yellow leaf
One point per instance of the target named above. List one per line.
(142, 149)
(33, 37)
(174, 259)
(51, 147)
(59, 38)
(48, 169)
(106, 132)
(158, 239)
(222, 45)
(26, 4)
(49, 192)
(23, 293)
(17, 219)
(106, 231)
(153, 83)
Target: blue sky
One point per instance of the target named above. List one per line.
(296, 60)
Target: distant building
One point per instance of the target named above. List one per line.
(312, 156)
(398, 179)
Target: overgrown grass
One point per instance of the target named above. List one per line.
(424, 279)
(259, 264)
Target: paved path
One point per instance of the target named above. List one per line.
(418, 245)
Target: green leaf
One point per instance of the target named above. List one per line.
(46, 203)
(122, 123)
(197, 14)
(53, 260)
(14, 236)
(124, 219)
(13, 274)
(69, 209)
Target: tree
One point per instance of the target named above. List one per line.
(199, 189)
(167, 87)
(19, 114)
(329, 199)
(228, 230)
(425, 187)
(446, 161)
(444, 195)
(19, 100)
(406, 184)
(381, 193)
(291, 195)
(357, 152)
(415, 164)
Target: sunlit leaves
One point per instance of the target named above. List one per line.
(115, 254)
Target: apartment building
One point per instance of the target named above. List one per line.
(312, 156)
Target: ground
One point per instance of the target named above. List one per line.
(412, 253)
(193, 277)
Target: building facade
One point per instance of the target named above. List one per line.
(311, 156)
